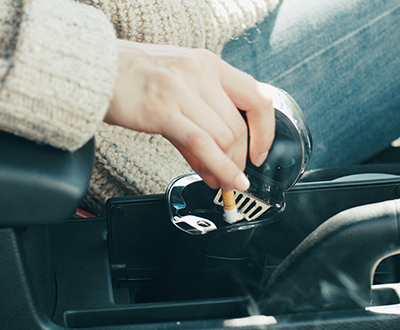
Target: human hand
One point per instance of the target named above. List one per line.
(191, 97)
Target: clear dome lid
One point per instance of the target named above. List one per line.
(290, 151)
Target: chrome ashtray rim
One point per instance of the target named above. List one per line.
(176, 202)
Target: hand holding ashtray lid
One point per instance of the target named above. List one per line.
(197, 209)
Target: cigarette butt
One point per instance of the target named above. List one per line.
(231, 214)
(228, 197)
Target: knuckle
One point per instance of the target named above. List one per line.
(196, 141)
(266, 99)
(192, 64)
(239, 129)
(207, 54)
(205, 59)
(225, 139)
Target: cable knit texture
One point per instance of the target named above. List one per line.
(131, 163)
(58, 66)
(189, 23)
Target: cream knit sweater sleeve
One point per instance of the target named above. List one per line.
(189, 23)
(58, 64)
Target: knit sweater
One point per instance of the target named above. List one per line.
(57, 70)
(189, 23)
(58, 65)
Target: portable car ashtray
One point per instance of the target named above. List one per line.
(197, 209)
(207, 256)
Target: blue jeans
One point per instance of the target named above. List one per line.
(340, 60)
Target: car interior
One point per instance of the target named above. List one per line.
(323, 255)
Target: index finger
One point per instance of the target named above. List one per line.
(203, 147)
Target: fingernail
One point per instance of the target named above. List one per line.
(241, 182)
(260, 159)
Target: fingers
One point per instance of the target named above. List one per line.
(217, 115)
(199, 168)
(256, 99)
(204, 155)
(261, 123)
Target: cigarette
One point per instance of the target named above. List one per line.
(230, 209)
